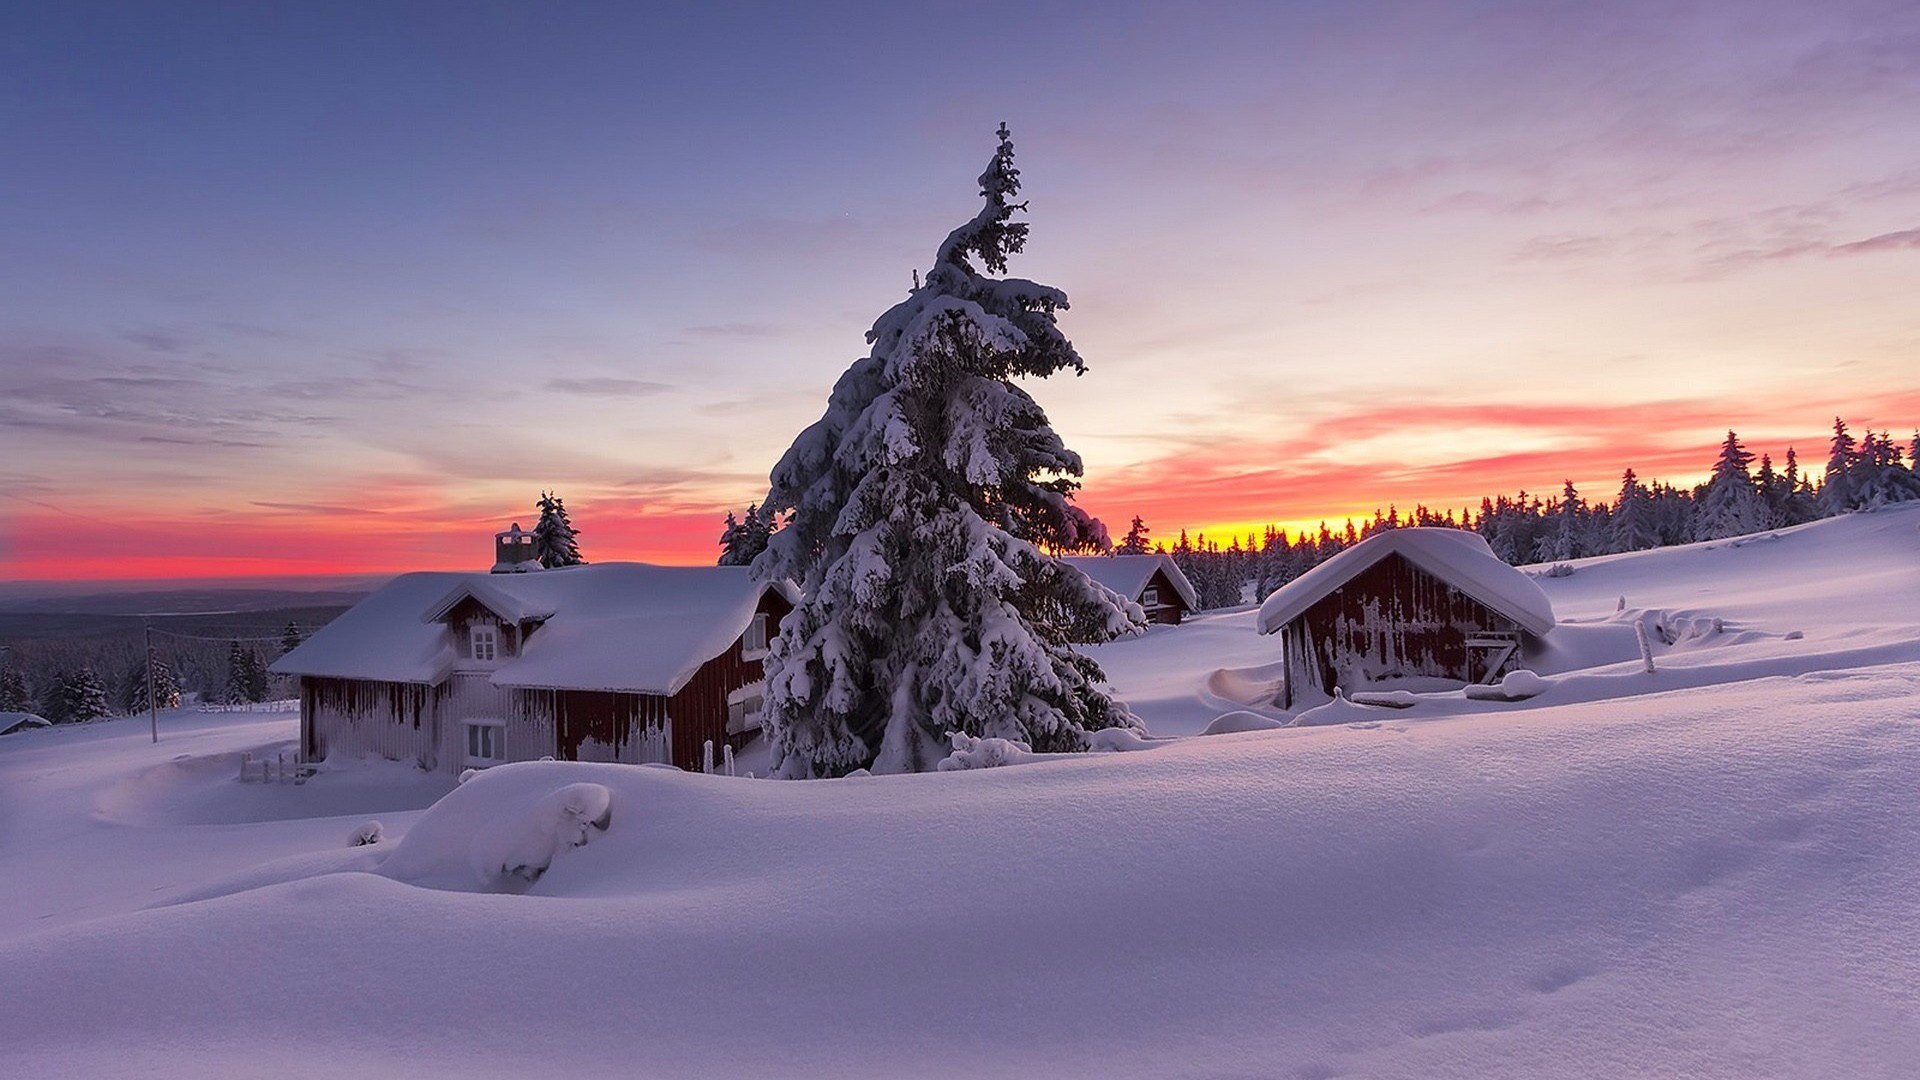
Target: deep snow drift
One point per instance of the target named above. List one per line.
(1711, 871)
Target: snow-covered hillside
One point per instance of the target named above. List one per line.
(1710, 871)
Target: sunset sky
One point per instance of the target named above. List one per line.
(342, 287)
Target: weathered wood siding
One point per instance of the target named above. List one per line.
(593, 725)
(1172, 609)
(1391, 620)
(699, 710)
(357, 717)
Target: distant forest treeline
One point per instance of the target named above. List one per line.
(1524, 528)
(76, 667)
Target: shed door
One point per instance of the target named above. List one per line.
(1490, 655)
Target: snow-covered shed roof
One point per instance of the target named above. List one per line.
(1460, 558)
(1128, 574)
(625, 627)
(11, 720)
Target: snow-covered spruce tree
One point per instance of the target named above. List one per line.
(290, 638)
(555, 541)
(1135, 542)
(13, 691)
(246, 676)
(166, 688)
(918, 508)
(1730, 506)
(1883, 477)
(77, 697)
(1837, 487)
(745, 537)
(1633, 526)
(1563, 541)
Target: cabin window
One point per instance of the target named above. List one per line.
(486, 742)
(486, 643)
(744, 707)
(753, 644)
(1150, 596)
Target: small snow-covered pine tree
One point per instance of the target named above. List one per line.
(1633, 527)
(1135, 542)
(1837, 494)
(555, 541)
(1563, 542)
(78, 696)
(1799, 506)
(745, 537)
(1730, 506)
(13, 691)
(918, 507)
(246, 676)
(166, 688)
(1881, 477)
(290, 638)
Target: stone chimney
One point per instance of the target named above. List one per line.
(513, 551)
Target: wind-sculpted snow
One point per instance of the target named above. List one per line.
(1710, 883)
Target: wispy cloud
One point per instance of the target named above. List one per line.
(1903, 240)
(325, 509)
(736, 330)
(160, 341)
(609, 387)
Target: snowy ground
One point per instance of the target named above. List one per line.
(1709, 871)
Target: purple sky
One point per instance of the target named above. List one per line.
(343, 287)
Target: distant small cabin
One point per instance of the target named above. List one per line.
(1152, 581)
(1404, 603)
(620, 662)
(21, 721)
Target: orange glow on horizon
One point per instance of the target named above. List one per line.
(1216, 491)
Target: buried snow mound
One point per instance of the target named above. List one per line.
(1241, 720)
(501, 831)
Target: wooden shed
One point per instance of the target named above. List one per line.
(1404, 604)
(1152, 581)
(620, 662)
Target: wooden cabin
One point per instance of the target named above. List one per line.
(620, 662)
(1404, 604)
(1152, 581)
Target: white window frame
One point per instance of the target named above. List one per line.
(483, 636)
(1150, 596)
(751, 701)
(753, 643)
(495, 740)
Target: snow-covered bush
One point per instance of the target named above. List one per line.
(368, 833)
(983, 753)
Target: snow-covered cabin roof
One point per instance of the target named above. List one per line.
(1128, 574)
(624, 627)
(1460, 558)
(11, 720)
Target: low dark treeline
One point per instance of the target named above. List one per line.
(72, 667)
